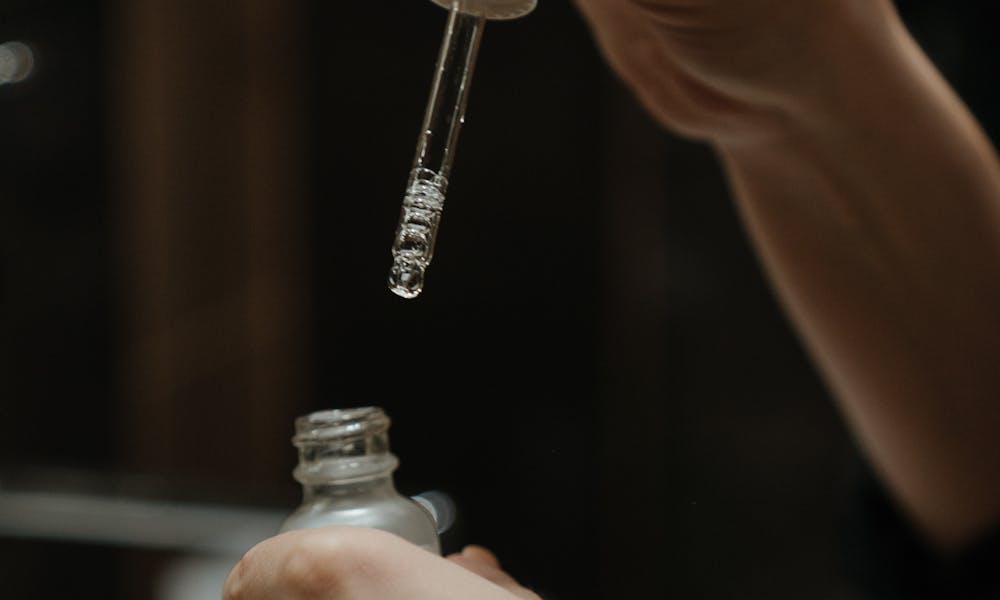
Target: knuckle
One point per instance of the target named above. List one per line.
(322, 563)
(307, 575)
(325, 564)
(235, 586)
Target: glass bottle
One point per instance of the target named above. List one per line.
(345, 469)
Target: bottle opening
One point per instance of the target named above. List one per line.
(339, 424)
(343, 445)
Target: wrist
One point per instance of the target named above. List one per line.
(852, 68)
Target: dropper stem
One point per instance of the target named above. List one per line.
(428, 181)
(449, 93)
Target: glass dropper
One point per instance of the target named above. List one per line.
(428, 182)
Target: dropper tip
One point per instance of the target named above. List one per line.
(406, 278)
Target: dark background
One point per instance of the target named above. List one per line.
(597, 371)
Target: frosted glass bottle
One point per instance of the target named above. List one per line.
(345, 469)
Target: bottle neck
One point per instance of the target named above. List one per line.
(339, 448)
(377, 485)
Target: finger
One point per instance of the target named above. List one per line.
(290, 565)
(484, 563)
(481, 554)
(359, 563)
(254, 575)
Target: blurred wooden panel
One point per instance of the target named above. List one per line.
(207, 126)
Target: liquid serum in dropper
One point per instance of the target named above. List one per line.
(423, 201)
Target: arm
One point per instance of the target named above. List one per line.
(873, 200)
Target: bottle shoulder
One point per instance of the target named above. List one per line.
(399, 515)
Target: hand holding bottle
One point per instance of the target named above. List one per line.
(358, 563)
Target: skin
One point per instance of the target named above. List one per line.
(873, 200)
(356, 563)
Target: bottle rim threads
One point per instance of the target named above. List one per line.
(343, 446)
(339, 423)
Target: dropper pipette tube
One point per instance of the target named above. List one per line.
(420, 216)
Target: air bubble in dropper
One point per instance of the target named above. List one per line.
(415, 236)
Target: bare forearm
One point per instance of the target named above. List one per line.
(876, 211)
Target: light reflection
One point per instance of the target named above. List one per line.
(16, 62)
(441, 507)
